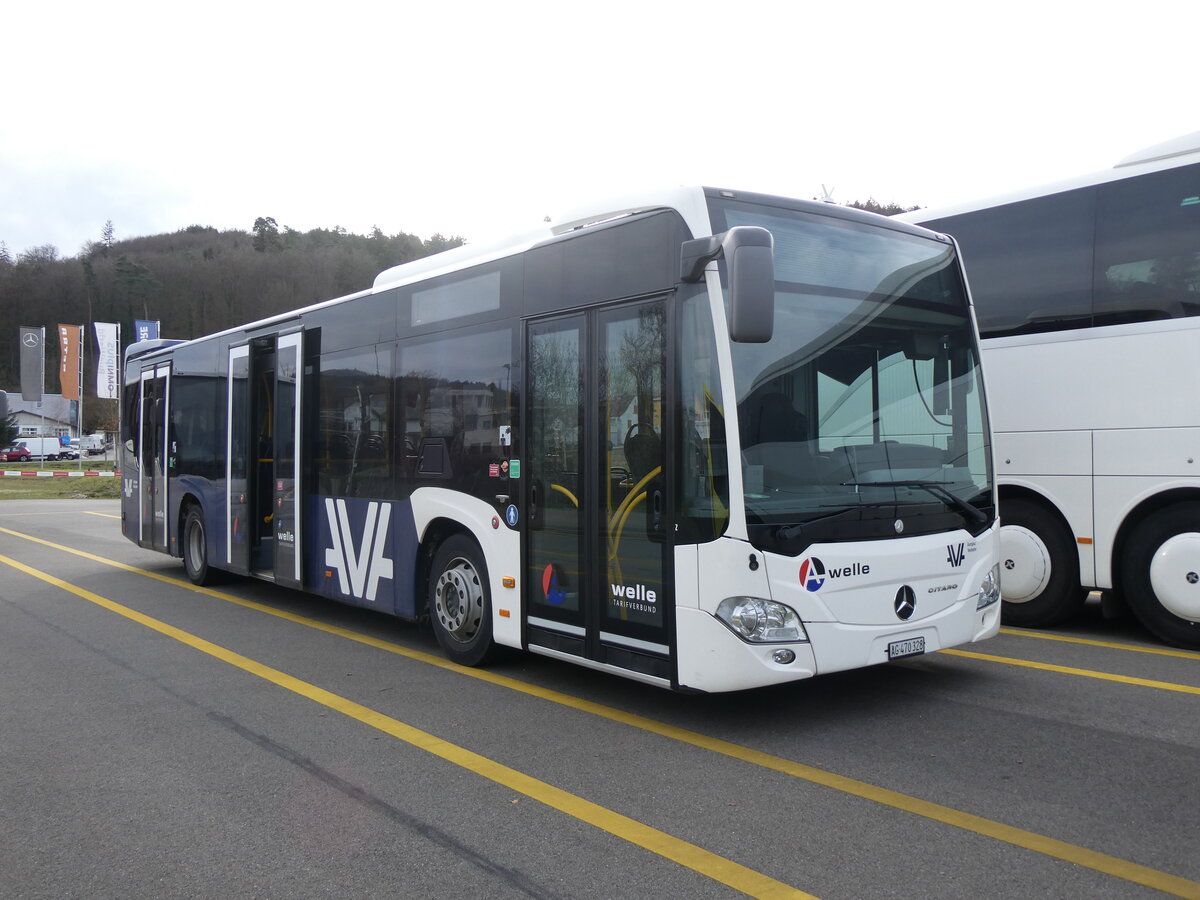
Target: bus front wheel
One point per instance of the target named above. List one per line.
(460, 606)
(1039, 567)
(1161, 574)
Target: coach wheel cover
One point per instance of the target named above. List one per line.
(1024, 564)
(1175, 575)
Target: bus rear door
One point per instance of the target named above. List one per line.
(153, 457)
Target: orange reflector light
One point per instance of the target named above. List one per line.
(504, 614)
(1080, 540)
(508, 581)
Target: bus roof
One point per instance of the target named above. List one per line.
(1167, 155)
(690, 202)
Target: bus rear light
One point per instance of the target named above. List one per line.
(761, 621)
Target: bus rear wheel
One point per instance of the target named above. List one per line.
(1039, 574)
(460, 607)
(195, 548)
(1161, 574)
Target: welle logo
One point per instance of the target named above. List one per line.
(360, 563)
(813, 573)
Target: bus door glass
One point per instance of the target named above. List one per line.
(153, 461)
(632, 509)
(596, 503)
(237, 461)
(555, 448)
(286, 511)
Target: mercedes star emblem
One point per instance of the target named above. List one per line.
(30, 339)
(906, 602)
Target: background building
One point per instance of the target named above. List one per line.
(52, 416)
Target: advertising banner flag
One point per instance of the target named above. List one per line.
(33, 362)
(108, 337)
(145, 329)
(70, 346)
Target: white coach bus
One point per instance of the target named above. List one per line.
(1088, 299)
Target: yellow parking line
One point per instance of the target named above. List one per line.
(718, 868)
(1029, 840)
(1070, 670)
(1111, 645)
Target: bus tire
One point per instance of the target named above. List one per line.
(195, 548)
(460, 607)
(1161, 574)
(1039, 566)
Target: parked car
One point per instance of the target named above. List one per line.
(17, 453)
(93, 444)
(42, 447)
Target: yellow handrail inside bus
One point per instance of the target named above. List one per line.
(566, 493)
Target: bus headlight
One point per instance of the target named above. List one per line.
(761, 621)
(989, 588)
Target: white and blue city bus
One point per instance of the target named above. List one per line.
(706, 440)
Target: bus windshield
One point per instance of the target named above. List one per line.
(863, 417)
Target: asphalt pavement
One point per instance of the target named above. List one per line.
(250, 741)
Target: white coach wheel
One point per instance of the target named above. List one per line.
(1024, 564)
(1175, 575)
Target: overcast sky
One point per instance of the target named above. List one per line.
(475, 118)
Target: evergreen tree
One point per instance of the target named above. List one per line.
(266, 235)
(8, 430)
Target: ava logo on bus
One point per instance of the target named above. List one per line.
(359, 561)
(813, 573)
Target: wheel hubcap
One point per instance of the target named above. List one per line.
(1025, 564)
(458, 600)
(1175, 575)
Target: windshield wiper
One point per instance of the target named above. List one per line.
(973, 514)
(789, 532)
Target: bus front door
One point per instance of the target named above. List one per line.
(597, 523)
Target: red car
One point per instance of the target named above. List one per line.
(17, 453)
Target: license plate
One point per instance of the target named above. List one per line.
(910, 647)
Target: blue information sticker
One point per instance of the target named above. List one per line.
(510, 515)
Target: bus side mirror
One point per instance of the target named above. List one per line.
(750, 265)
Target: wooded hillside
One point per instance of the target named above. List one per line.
(195, 281)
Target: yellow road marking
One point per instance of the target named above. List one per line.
(1111, 645)
(1019, 837)
(718, 868)
(61, 512)
(1070, 670)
